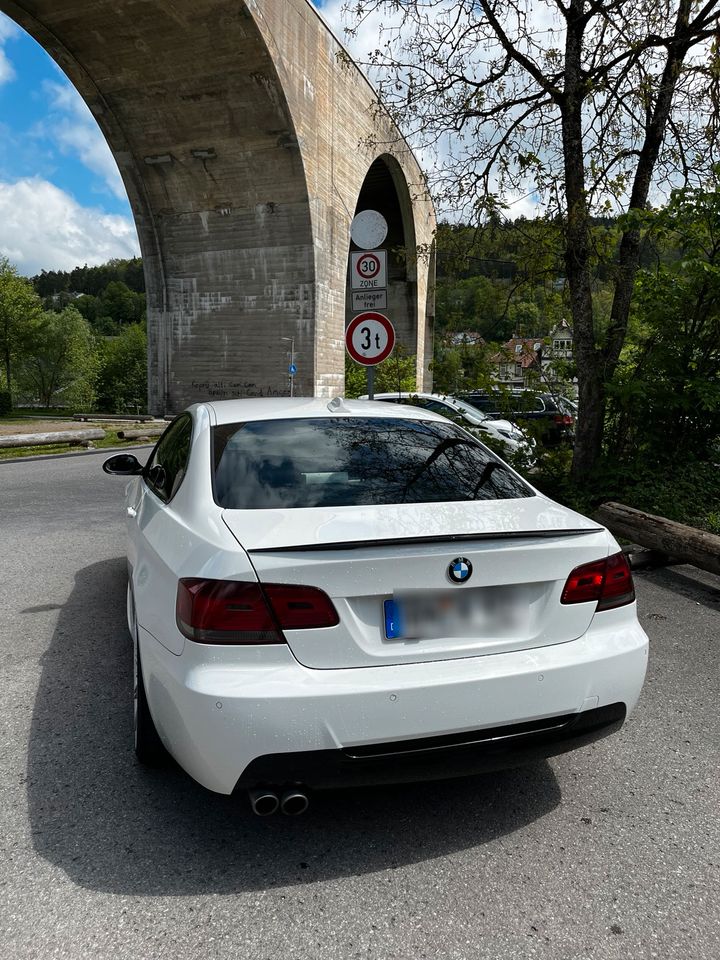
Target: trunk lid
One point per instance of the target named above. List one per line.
(521, 552)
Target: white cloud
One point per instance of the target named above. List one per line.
(8, 30)
(75, 130)
(45, 228)
(365, 36)
(7, 71)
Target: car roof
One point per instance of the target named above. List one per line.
(412, 393)
(496, 393)
(284, 408)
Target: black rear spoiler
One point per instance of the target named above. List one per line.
(444, 538)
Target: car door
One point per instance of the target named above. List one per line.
(160, 536)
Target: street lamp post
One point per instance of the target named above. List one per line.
(291, 367)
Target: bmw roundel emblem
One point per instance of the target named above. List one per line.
(459, 570)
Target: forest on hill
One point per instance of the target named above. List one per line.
(110, 296)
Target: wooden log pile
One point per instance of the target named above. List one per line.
(122, 418)
(677, 540)
(146, 432)
(72, 437)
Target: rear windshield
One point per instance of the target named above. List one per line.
(347, 461)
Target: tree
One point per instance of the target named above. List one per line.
(120, 303)
(91, 280)
(584, 105)
(122, 378)
(665, 401)
(59, 360)
(395, 373)
(19, 307)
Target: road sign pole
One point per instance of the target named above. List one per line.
(292, 367)
(371, 382)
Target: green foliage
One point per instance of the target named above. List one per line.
(121, 304)
(122, 376)
(115, 307)
(461, 368)
(395, 373)
(91, 280)
(687, 491)
(58, 361)
(5, 403)
(111, 295)
(665, 397)
(87, 305)
(500, 279)
(475, 304)
(19, 308)
(662, 448)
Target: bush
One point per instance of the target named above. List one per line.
(689, 492)
(5, 403)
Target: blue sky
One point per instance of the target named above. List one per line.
(62, 202)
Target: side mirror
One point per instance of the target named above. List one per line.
(123, 465)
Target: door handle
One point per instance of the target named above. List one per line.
(131, 512)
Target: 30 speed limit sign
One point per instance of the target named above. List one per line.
(368, 269)
(370, 338)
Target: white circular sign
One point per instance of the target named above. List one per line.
(370, 338)
(368, 230)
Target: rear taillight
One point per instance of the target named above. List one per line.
(233, 611)
(609, 582)
(563, 419)
(300, 608)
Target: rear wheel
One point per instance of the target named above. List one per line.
(148, 746)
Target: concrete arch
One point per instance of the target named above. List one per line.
(243, 134)
(385, 189)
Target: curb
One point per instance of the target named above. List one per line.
(78, 453)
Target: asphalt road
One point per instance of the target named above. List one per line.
(608, 852)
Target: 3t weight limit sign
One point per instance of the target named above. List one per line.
(370, 338)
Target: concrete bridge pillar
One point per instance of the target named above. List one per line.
(246, 139)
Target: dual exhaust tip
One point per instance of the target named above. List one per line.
(266, 801)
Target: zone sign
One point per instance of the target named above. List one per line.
(368, 269)
(370, 338)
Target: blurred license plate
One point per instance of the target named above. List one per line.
(486, 612)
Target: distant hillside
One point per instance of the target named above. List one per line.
(91, 280)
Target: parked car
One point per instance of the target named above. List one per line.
(552, 417)
(336, 593)
(508, 434)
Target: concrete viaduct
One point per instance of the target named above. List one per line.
(247, 140)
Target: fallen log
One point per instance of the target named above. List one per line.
(151, 430)
(72, 437)
(121, 417)
(677, 540)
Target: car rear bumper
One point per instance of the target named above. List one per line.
(436, 758)
(234, 716)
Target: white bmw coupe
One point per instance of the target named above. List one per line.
(335, 593)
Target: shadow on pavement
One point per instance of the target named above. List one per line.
(690, 582)
(113, 826)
